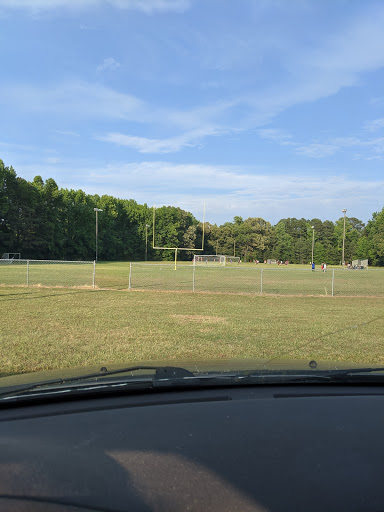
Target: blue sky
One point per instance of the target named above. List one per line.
(269, 108)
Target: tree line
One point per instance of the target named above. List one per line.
(42, 221)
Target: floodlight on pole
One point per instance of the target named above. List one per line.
(344, 210)
(146, 241)
(97, 210)
(313, 240)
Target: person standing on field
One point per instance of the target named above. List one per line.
(324, 267)
(313, 267)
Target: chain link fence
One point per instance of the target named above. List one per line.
(47, 273)
(164, 277)
(261, 281)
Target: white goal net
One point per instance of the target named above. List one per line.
(208, 259)
(214, 260)
(360, 264)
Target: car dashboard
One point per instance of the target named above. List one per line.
(256, 448)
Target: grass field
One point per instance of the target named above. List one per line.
(43, 328)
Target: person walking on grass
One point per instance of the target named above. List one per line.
(313, 267)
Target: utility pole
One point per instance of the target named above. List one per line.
(344, 210)
(97, 210)
(313, 240)
(146, 241)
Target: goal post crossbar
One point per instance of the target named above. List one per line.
(176, 248)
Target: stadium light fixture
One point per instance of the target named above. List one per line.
(313, 240)
(97, 210)
(344, 210)
(146, 241)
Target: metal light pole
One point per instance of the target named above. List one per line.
(344, 210)
(217, 245)
(97, 210)
(234, 248)
(313, 240)
(146, 241)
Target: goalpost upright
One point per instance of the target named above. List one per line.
(177, 248)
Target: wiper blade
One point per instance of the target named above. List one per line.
(161, 372)
(173, 376)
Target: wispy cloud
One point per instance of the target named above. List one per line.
(145, 6)
(328, 147)
(52, 160)
(70, 133)
(376, 124)
(276, 135)
(228, 190)
(75, 99)
(109, 64)
(378, 101)
(15, 146)
(316, 150)
(167, 145)
(80, 99)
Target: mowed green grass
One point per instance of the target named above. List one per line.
(46, 274)
(43, 328)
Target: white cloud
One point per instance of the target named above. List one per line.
(316, 150)
(167, 145)
(378, 101)
(53, 160)
(325, 149)
(70, 133)
(145, 6)
(228, 190)
(79, 99)
(276, 135)
(373, 126)
(109, 64)
(75, 99)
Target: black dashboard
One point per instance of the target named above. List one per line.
(264, 448)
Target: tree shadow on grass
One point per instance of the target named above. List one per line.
(6, 297)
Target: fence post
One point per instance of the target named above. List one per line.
(130, 275)
(193, 278)
(27, 272)
(261, 282)
(94, 273)
(333, 280)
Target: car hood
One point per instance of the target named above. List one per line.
(195, 366)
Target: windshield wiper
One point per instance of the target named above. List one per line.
(161, 372)
(173, 376)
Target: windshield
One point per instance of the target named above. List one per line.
(190, 184)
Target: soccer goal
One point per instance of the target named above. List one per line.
(214, 260)
(10, 256)
(359, 264)
(229, 260)
(208, 259)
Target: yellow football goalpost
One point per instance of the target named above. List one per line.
(177, 248)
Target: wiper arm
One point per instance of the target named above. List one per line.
(355, 374)
(161, 372)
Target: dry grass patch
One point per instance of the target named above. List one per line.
(205, 319)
